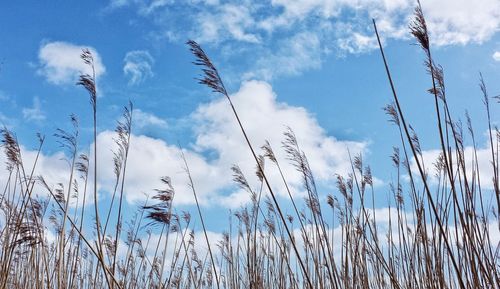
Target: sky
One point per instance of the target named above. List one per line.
(311, 65)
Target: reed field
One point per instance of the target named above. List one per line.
(442, 233)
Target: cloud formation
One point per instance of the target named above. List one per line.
(144, 119)
(138, 66)
(496, 56)
(34, 113)
(60, 62)
(461, 21)
(483, 162)
(218, 144)
(300, 53)
(53, 167)
(332, 26)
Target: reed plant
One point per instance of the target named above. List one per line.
(438, 231)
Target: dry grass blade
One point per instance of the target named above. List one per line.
(87, 80)
(211, 76)
(418, 28)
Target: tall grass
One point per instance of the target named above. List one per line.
(436, 232)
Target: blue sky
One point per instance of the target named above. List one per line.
(308, 64)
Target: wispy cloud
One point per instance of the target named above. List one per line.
(228, 21)
(60, 62)
(138, 66)
(34, 113)
(118, 3)
(144, 119)
(329, 26)
(496, 56)
(295, 55)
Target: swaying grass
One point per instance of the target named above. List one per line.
(437, 234)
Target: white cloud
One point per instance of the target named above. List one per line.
(462, 21)
(53, 167)
(155, 4)
(174, 245)
(299, 10)
(295, 55)
(496, 56)
(143, 119)
(344, 25)
(357, 43)
(235, 199)
(219, 144)
(138, 66)
(483, 159)
(265, 118)
(149, 160)
(450, 21)
(288, 37)
(229, 21)
(34, 113)
(60, 62)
